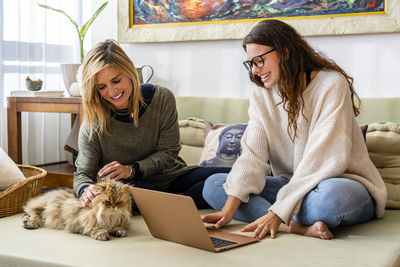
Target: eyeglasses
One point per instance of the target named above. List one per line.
(257, 61)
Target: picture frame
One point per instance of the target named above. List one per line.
(386, 22)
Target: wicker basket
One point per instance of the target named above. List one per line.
(14, 198)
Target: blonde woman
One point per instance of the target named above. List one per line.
(302, 127)
(130, 131)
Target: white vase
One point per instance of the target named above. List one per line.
(69, 72)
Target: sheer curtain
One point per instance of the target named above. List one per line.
(34, 43)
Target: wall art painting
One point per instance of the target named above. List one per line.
(184, 20)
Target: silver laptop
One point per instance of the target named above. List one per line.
(175, 218)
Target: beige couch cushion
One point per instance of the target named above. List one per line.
(10, 174)
(375, 243)
(191, 133)
(383, 142)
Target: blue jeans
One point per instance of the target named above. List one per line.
(189, 184)
(335, 201)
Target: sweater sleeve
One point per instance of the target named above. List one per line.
(168, 145)
(88, 160)
(327, 151)
(248, 172)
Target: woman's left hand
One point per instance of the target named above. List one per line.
(115, 171)
(268, 223)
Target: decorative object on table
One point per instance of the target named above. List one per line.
(69, 70)
(37, 93)
(75, 89)
(32, 85)
(14, 198)
(140, 72)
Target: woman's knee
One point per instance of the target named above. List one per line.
(213, 186)
(333, 201)
(344, 191)
(215, 180)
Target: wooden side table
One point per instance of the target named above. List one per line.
(18, 104)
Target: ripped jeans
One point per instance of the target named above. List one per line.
(335, 201)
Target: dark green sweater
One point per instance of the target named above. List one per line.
(153, 145)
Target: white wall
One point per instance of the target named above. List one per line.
(214, 68)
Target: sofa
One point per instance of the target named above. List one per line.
(376, 243)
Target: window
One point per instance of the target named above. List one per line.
(34, 43)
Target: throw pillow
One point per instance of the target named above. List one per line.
(383, 142)
(10, 174)
(364, 129)
(191, 133)
(221, 144)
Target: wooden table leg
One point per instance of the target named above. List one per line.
(80, 115)
(73, 118)
(14, 132)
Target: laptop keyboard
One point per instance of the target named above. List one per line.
(219, 243)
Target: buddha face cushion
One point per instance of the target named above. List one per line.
(221, 145)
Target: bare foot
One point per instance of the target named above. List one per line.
(318, 230)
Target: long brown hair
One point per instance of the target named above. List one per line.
(96, 110)
(297, 57)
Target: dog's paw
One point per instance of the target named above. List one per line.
(101, 235)
(29, 222)
(119, 232)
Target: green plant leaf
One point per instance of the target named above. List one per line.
(85, 27)
(83, 30)
(62, 12)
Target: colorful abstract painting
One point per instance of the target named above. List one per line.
(146, 12)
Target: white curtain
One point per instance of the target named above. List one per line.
(2, 108)
(34, 42)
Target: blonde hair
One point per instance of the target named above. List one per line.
(96, 110)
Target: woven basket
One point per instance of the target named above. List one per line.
(14, 198)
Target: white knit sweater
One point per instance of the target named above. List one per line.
(329, 144)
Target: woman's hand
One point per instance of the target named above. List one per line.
(268, 223)
(114, 171)
(220, 218)
(224, 216)
(87, 196)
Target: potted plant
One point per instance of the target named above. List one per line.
(85, 27)
(69, 70)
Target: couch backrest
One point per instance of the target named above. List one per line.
(379, 110)
(235, 110)
(215, 110)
